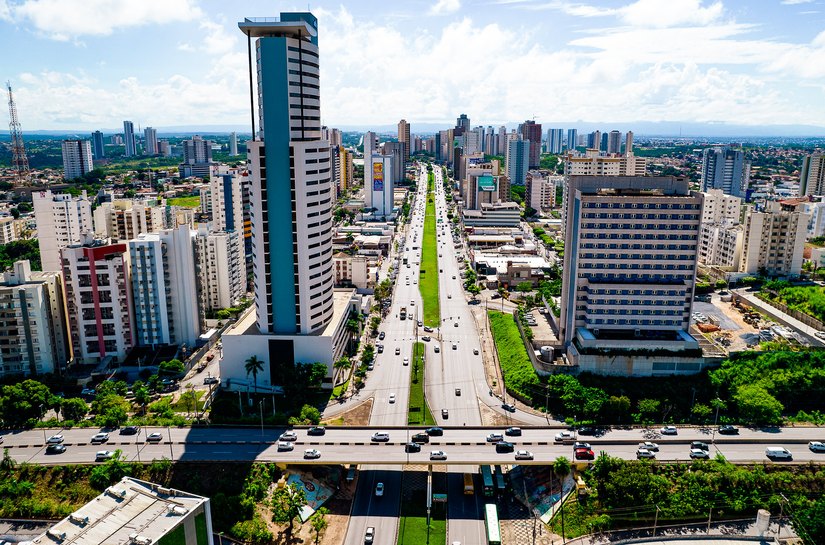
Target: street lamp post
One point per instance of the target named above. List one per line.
(261, 405)
(715, 422)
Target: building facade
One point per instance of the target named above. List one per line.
(378, 185)
(221, 266)
(62, 220)
(726, 169)
(518, 159)
(774, 239)
(531, 132)
(540, 193)
(77, 158)
(404, 138)
(150, 141)
(197, 158)
(129, 139)
(812, 175)
(98, 149)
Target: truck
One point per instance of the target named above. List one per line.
(403, 313)
(469, 489)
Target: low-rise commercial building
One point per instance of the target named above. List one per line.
(502, 214)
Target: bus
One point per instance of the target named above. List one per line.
(487, 480)
(491, 524)
(501, 485)
(469, 489)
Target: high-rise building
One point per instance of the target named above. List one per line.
(61, 220)
(197, 157)
(614, 142)
(77, 158)
(774, 239)
(129, 139)
(396, 151)
(150, 141)
(591, 163)
(720, 208)
(531, 132)
(370, 144)
(404, 138)
(540, 193)
(555, 140)
(594, 140)
(572, 139)
(164, 293)
(33, 318)
(603, 146)
(221, 268)
(98, 150)
(726, 169)
(378, 184)
(98, 300)
(225, 197)
(630, 258)
(462, 122)
(233, 143)
(812, 175)
(628, 143)
(518, 158)
(125, 219)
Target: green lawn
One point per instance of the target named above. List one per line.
(412, 525)
(519, 374)
(428, 284)
(418, 412)
(184, 402)
(186, 202)
(340, 389)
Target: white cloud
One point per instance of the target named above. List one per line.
(442, 7)
(70, 19)
(796, 2)
(645, 13)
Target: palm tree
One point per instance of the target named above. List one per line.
(561, 468)
(254, 366)
(343, 363)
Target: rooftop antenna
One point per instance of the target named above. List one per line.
(20, 162)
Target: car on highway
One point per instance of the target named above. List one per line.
(727, 429)
(509, 407)
(379, 347)
(669, 430)
(369, 535)
(285, 445)
(778, 453)
(420, 438)
(512, 431)
(564, 437)
(381, 336)
(428, 329)
(103, 455)
(504, 447)
(410, 448)
(445, 413)
(583, 454)
(475, 351)
(55, 439)
(697, 453)
(312, 454)
(699, 445)
(420, 323)
(397, 351)
(449, 296)
(524, 455)
(406, 361)
(495, 437)
(316, 430)
(392, 398)
(642, 453)
(455, 346)
(580, 444)
(434, 431)
(129, 430)
(154, 437)
(455, 324)
(379, 490)
(56, 449)
(436, 349)
(652, 447)
(101, 437)
(816, 446)
(438, 455)
(380, 436)
(426, 338)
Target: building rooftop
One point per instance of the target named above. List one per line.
(262, 27)
(127, 510)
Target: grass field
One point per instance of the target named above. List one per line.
(412, 525)
(418, 412)
(186, 202)
(428, 285)
(519, 374)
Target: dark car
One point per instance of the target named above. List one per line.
(508, 407)
(699, 445)
(504, 446)
(727, 429)
(512, 431)
(445, 414)
(420, 438)
(583, 454)
(412, 447)
(55, 449)
(588, 430)
(316, 430)
(434, 431)
(129, 430)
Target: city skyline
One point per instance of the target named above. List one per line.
(77, 66)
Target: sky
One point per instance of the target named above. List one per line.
(89, 64)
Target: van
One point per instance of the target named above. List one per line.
(778, 453)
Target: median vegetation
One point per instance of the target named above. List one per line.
(418, 412)
(519, 375)
(428, 283)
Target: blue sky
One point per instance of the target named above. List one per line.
(88, 64)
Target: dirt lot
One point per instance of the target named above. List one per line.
(357, 416)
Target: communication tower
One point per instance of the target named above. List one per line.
(19, 162)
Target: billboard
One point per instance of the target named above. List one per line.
(378, 176)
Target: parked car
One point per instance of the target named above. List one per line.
(524, 455)
(669, 430)
(381, 335)
(312, 454)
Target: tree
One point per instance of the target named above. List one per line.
(111, 410)
(702, 412)
(561, 468)
(758, 406)
(343, 363)
(253, 366)
(24, 403)
(648, 408)
(814, 517)
(171, 367)
(74, 409)
(286, 505)
(319, 522)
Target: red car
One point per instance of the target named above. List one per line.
(583, 454)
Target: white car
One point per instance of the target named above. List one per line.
(380, 436)
(495, 437)
(103, 455)
(288, 436)
(406, 361)
(438, 455)
(816, 446)
(55, 439)
(312, 454)
(653, 447)
(669, 430)
(285, 445)
(564, 436)
(524, 455)
(699, 453)
(392, 398)
(644, 453)
(379, 489)
(100, 438)
(154, 437)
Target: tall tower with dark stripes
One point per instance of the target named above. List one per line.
(19, 161)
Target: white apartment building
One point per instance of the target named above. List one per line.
(8, 230)
(721, 245)
(125, 219)
(812, 175)
(77, 158)
(62, 220)
(816, 224)
(630, 263)
(32, 322)
(223, 198)
(721, 208)
(540, 191)
(98, 300)
(351, 270)
(774, 239)
(221, 268)
(164, 290)
(592, 163)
